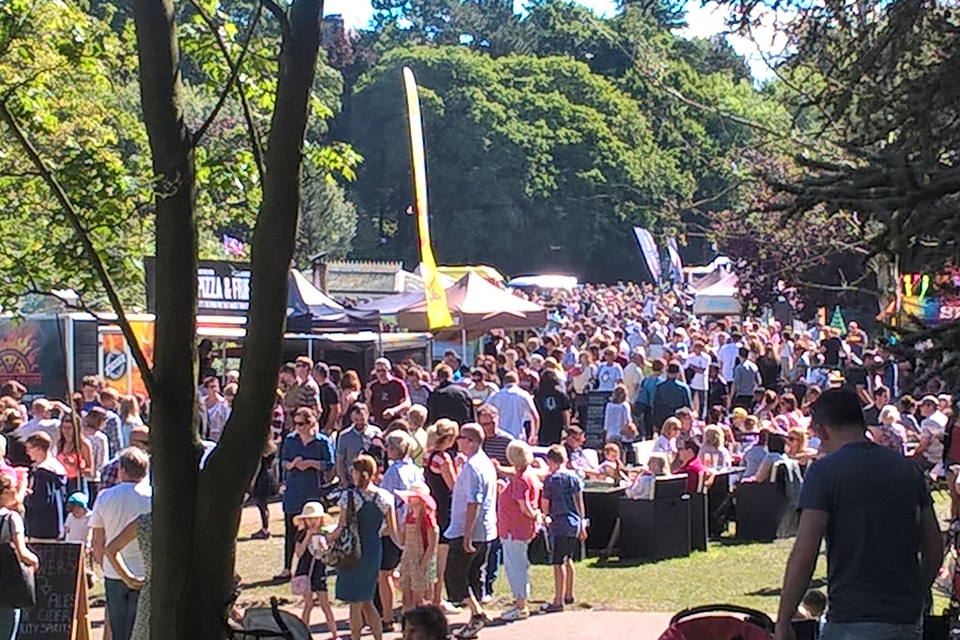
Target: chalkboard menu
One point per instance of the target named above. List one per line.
(61, 594)
(592, 423)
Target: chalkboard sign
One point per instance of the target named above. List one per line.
(61, 609)
(592, 424)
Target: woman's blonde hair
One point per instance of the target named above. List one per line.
(519, 454)
(670, 424)
(365, 466)
(658, 464)
(402, 441)
(619, 394)
(129, 406)
(799, 434)
(713, 436)
(441, 432)
(889, 415)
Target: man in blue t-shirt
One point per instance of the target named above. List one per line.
(883, 542)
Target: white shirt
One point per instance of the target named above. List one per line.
(75, 529)
(727, 355)
(632, 377)
(46, 425)
(933, 427)
(607, 376)
(116, 508)
(516, 407)
(702, 362)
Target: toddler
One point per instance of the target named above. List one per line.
(419, 536)
(310, 578)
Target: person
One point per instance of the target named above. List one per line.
(216, 410)
(929, 453)
(473, 525)
(714, 454)
(305, 455)
(77, 461)
(12, 534)
(617, 418)
(440, 474)
(77, 525)
(889, 431)
(879, 398)
(610, 372)
(776, 452)
(644, 485)
(670, 395)
(387, 396)
(93, 424)
(691, 466)
(518, 515)
(553, 405)
(90, 392)
(46, 491)
(648, 390)
(495, 439)
(577, 460)
(612, 468)
(375, 517)
(755, 453)
(481, 388)
(813, 605)
(41, 411)
(666, 442)
(583, 377)
(745, 380)
(129, 419)
(728, 354)
(113, 512)
(359, 437)
(417, 387)
(517, 410)
(350, 394)
(883, 541)
(418, 535)
(401, 474)
(329, 399)
(311, 543)
(425, 622)
(798, 447)
(696, 366)
(266, 485)
(450, 400)
(562, 501)
(110, 474)
(113, 425)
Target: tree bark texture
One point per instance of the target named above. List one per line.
(196, 514)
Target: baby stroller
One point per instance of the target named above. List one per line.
(719, 622)
(270, 623)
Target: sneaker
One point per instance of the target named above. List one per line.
(549, 607)
(515, 614)
(449, 607)
(487, 599)
(472, 629)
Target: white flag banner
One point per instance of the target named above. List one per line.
(650, 252)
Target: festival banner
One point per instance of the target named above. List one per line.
(438, 315)
(676, 264)
(651, 254)
(120, 370)
(32, 353)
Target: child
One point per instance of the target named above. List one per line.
(265, 486)
(419, 536)
(425, 622)
(617, 419)
(612, 467)
(311, 542)
(562, 500)
(77, 528)
(644, 484)
(812, 606)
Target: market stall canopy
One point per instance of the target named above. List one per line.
(544, 282)
(477, 306)
(719, 298)
(309, 308)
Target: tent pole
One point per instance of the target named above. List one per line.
(310, 349)
(463, 342)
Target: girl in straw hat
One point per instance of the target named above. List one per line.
(419, 535)
(312, 523)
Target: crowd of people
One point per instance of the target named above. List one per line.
(447, 474)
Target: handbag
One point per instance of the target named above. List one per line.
(538, 551)
(301, 585)
(17, 585)
(344, 549)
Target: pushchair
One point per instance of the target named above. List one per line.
(719, 622)
(270, 623)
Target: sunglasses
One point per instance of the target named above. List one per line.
(298, 423)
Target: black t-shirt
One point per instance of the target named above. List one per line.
(831, 352)
(717, 392)
(873, 496)
(551, 403)
(329, 397)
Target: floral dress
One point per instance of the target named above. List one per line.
(412, 574)
(141, 624)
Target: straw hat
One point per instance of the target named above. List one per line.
(311, 511)
(419, 490)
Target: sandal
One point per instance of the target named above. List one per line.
(388, 625)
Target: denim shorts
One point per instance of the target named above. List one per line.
(871, 631)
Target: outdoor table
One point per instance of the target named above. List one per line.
(602, 502)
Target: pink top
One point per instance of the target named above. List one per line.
(511, 521)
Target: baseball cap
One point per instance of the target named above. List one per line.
(78, 498)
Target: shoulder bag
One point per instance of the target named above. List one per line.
(344, 549)
(17, 586)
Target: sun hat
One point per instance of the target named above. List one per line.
(311, 511)
(418, 490)
(79, 498)
(930, 399)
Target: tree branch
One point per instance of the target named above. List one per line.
(89, 250)
(281, 17)
(234, 67)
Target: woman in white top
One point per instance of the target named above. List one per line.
(11, 533)
(667, 441)
(644, 484)
(617, 417)
(714, 453)
(480, 388)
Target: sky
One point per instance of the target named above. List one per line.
(703, 21)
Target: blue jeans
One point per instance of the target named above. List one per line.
(9, 623)
(871, 631)
(121, 607)
(492, 567)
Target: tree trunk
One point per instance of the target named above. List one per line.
(174, 440)
(196, 513)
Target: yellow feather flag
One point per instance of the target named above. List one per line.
(438, 315)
